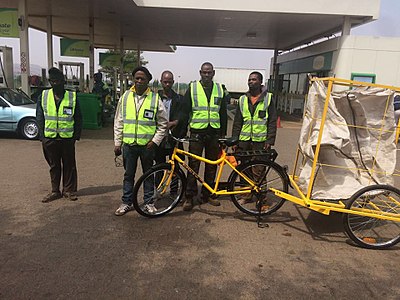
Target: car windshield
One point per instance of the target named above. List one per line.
(15, 98)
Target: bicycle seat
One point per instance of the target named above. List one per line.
(229, 141)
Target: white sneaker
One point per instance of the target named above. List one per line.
(123, 209)
(150, 208)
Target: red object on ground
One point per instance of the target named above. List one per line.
(278, 122)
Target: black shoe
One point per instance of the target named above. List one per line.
(51, 197)
(213, 202)
(70, 196)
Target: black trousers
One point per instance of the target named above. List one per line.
(208, 143)
(161, 153)
(60, 155)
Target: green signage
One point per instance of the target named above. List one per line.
(110, 60)
(9, 22)
(320, 62)
(79, 48)
(114, 60)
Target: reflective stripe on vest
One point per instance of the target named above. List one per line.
(59, 121)
(254, 127)
(205, 113)
(139, 128)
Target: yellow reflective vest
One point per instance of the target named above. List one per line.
(254, 126)
(58, 122)
(205, 113)
(139, 127)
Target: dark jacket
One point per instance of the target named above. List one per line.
(223, 116)
(77, 119)
(272, 116)
(177, 112)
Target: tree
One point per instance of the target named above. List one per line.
(129, 56)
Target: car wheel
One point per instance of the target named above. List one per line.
(29, 129)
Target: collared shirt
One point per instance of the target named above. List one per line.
(161, 117)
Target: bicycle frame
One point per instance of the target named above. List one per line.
(222, 161)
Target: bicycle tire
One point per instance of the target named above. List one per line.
(370, 232)
(163, 192)
(274, 176)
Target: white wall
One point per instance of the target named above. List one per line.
(366, 54)
(358, 54)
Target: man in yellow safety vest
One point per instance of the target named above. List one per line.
(139, 127)
(60, 124)
(205, 102)
(255, 118)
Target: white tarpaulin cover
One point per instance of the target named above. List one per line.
(351, 157)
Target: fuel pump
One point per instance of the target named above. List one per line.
(74, 75)
(6, 67)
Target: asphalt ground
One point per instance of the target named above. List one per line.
(81, 250)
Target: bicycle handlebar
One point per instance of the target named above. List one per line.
(222, 141)
(182, 140)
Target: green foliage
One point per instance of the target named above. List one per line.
(129, 55)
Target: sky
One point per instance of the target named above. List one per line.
(185, 62)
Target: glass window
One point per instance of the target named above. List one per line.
(15, 97)
(363, 77)
(302, 86)
(293, 82)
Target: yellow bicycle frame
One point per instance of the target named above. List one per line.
(222, 161)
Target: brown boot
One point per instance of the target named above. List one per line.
(214, 202)
(188, 205)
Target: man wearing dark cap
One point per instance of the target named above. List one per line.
(60, 124)
(139, 126)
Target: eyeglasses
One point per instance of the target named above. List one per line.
(118, 161)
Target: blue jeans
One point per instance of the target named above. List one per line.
(130, 155)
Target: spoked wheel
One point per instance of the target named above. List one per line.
(381, 230)
(158, 191)
(29, 129)
(266, 175)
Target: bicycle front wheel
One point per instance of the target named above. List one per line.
(378, 232)
(158, 191)
(265, 175)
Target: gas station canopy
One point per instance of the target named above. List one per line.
(156, 25)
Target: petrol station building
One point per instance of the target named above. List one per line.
(306, 36)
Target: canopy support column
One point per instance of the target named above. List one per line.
(121, 68)
(91, 53)
(49, 41)
(24, 46)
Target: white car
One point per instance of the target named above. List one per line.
(18, 113)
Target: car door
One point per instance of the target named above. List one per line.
(6, 121)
